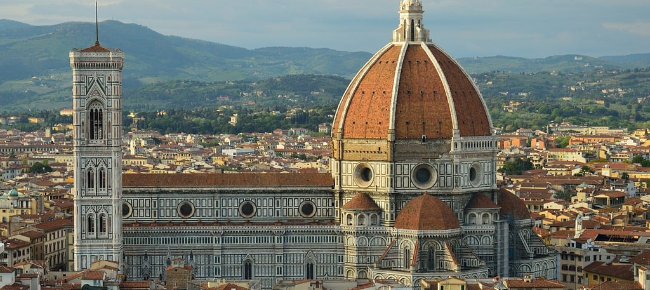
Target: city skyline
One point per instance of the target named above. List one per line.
(465, 28)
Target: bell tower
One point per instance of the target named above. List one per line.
(97, 120)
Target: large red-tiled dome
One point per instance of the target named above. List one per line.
(426, 213)
(409, 89)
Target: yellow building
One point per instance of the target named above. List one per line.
(14, 203)
(599, 272)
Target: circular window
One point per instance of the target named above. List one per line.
(185, 209)
(424, 176)
(307, 209)
(126, 210)
(474, 173)
(363, 175)
(247, 209)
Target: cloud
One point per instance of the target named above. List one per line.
(639, 28)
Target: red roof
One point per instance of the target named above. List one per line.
(479, 200)
(235, 180)
(93, 275)
(6, 270)
(426, 213)
(513, 206)
(533, 284)
(621, 271)
(418, 93)
(362, 201)
(618, 285)
(96, 48)
(642, 259)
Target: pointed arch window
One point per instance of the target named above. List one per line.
(95, 121)
(103, 224)
(90, 179)
(407, 258)
(90, 224)
(248, 270)
(431, 259)
(309, 271)
(102, 179)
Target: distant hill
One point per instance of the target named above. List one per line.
(561, 63)
(43, 50)
(35, 69)
(630, 61)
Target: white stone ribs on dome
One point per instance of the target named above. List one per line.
(353, 87)
(393, 105)
(445, 84)
(474, 86)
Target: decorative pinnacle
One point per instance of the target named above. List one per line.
(411, 5)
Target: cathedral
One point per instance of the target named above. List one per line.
(411, 195)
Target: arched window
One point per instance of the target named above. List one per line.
(95, 121)
(407, 258)
(103, 223)
(431, 259)
(91, 224)
(361, 220)
(486, 218)
(374, 220)
(472, 218)
(309, 271)
(90, 179)
(248, 270)
(102, 179)
(349, 220)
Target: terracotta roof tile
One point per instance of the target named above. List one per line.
(368, 115)
(362, 201)
(470, 112)
(236, 180)
(621, 271)
(231, 286)
(534, 283)
(6, 270)
(422, 107)
(421, 101)
(618, 285)
(96, 48)
(479, 200)
(426, 213)
(513, 206)
(642, 259)
(93, 275)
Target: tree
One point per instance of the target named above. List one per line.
(563, 195)
(516, 167)
(625, 176)
(562, 142)
(40, 168)
(640, 160)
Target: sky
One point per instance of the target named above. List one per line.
(464, 28)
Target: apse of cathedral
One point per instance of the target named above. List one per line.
(412, 192)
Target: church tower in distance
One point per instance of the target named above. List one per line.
(97, 104)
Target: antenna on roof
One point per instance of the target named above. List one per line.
(96, 26)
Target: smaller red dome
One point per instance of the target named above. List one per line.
(512, 205)
(362, 201)
(426, 213)
(479, 200)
